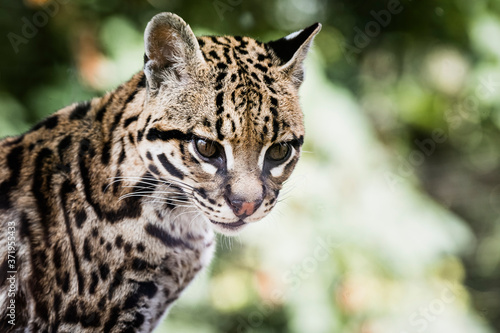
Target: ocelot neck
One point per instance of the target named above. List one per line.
(109, 164)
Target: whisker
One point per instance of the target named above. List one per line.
(197, 216)
(283, 198)
(176, 205)
(159, 198)
(186, 212)
(173, 194)
(152, 181)
(168, 195)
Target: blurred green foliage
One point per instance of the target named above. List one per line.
(391, 222)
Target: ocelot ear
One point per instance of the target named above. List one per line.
(172, 49)
(291, 51)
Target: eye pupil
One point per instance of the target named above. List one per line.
(206, 148)
(278, 152)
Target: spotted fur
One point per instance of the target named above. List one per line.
(114, 201)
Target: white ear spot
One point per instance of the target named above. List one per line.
(291, 51)
(293, 35)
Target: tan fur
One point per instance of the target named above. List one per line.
(113, 207)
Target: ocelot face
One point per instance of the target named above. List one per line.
(222, 122)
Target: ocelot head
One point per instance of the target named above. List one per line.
(222, 120)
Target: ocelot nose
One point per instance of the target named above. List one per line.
(242, 208)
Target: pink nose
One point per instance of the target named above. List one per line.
(242, 208)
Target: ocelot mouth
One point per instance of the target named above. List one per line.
(233, 225)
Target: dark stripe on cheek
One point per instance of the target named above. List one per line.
(129, 121)
(169, 166)
(201, 192)
(156, 134)
(154, 169)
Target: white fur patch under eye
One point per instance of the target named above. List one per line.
(157, 149)
(262, 155)
(207, 167)
(278, 170)
(228, 149)
(167, 149)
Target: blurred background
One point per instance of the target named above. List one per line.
(390, 222)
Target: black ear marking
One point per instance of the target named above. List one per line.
(286, 47)
(290, 51)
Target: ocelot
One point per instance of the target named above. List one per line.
(108, 207)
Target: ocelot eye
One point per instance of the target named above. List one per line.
(278, 152)
(207, 148)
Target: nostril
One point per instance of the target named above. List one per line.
(242, 208)
(235, 204)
